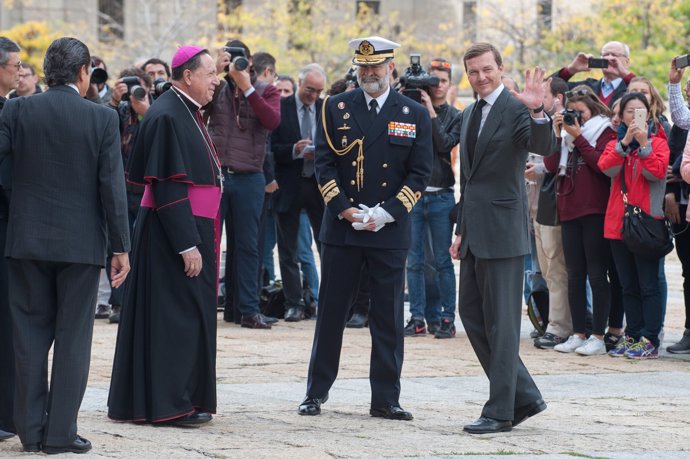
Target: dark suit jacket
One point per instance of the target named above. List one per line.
(68, 186)
(396, 165)
(595, 84)
(492, 218)
(288, 171)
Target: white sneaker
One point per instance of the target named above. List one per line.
(593, 346)
(569, 346)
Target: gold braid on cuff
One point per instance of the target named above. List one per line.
(408, 197)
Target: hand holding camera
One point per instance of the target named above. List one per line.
(678, 64)
(572, 120)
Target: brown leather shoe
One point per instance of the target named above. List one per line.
(255, 321)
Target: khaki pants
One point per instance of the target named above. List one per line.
(552, 263)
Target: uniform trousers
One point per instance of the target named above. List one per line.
(340, 274)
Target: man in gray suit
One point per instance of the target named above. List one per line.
(68, 196)
(492, 235)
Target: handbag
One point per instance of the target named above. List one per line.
(547, 209)
(643, 234)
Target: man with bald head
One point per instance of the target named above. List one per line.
(616, 76)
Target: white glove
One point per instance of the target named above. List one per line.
(376, 215)
(366, 213)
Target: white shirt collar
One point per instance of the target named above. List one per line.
(491, 98)
(73, 86)
(198, 105)
(379, 100)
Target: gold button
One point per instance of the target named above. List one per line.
(352, 182)
(352, 200)
(385, 165)
(354, 163)
(384, 184)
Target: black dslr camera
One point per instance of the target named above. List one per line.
(160, 86)
(416, 79)
(98, 75)
(133, 88)
(237, 56)
(570, 115)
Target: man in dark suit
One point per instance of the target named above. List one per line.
(68, 196)
(293, 151)
(492, 235)
(373, 160)
(9, 77)
(616, 77)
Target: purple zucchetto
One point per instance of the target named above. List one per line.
(185, 53)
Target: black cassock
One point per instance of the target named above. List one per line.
(165, 355)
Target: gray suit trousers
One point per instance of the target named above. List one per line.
(490, 305)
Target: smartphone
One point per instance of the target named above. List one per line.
(682, 61)
(640, 117)
(309, 149)
(597, 63)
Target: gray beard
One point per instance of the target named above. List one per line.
(374, 87)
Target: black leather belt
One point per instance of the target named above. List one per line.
(437, 192)
(227, 170)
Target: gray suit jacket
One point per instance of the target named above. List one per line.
(492, 216)
(68, 181)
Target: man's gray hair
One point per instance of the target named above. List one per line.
(7, 46)
(626, 48)
(310, 68)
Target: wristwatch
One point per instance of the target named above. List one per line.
(539, 109)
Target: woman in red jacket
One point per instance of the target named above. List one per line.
(644, 155)
(583, 190)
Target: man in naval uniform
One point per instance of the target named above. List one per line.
(373, 160)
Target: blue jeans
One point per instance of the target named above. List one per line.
(269, 244)
(430, 218)
(641, 296)
(241, 207)
(305, 254)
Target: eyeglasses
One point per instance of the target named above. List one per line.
(16, 66)
(310, 90)
(440, 65)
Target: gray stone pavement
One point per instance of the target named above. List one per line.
(597, 406)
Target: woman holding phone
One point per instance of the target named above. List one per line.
(641, 156)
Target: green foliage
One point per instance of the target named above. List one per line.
(34, 38)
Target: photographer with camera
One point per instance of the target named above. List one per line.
(99, 91)
(583, 130)
(159, 72)
(430, 217)
(243, 112)
(614, 62)
(130, 98)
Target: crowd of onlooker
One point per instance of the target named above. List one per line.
(586, 291)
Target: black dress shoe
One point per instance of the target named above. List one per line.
(311, 406)
(357, 321)
(269, 320)
(255, 321)
(485, 425)
(294, 314)
(196, 418)
(393, 412)
(31, 447)
(527, 411)
(4, 435)
(79, 446)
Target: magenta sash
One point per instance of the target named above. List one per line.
(204, 200)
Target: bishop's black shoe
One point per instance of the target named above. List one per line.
(485, 425)
(393, 412)
(193, 419)
(4, 435)
(311, 406)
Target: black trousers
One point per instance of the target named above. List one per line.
(490, 305)
(587, 254)
(309, 198)
(51, 303)
(340, 273)
(6, 348)
(682, 240)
